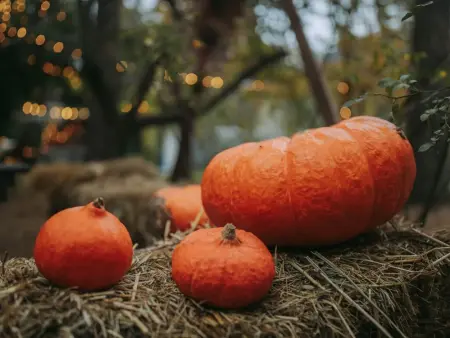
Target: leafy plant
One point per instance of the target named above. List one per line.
(436, 105)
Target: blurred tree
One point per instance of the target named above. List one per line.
(430, 65)
(324, 101)
(86, 55)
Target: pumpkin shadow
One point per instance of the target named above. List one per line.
(205, 309)
(364, 240)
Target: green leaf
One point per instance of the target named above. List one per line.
(407, 16)
(355, 100)
(424, 117)
(401, 85)
(425, 147)
(386, 82)
(426, 4)
(405, 77)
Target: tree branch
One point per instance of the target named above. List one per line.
(144, 86)
(178, 16)
(264, 62)
(324, 100)
(159, 120)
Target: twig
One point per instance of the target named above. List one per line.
(430, 237)
(3, 261)
(349, 299)
(341, 316)
(135, 286)
(336, 268)
(307, 275)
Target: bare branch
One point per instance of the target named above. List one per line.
(264, 62)
(144, 86)
(161, 119)
(324, 100)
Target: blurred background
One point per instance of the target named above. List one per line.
(175, 82)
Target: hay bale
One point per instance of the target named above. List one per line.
(49, 178)
(396, 283)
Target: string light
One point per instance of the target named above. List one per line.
(68, 72)
(143, 107)
(343, 88)
(58, 47)
(21, 7)
(40, 40)
(55, 113)
(56, 70)
(217, 82)
(207, 81)
(257, 85)
(61, 16)
(6, 17)
(47, 68)
(21, 32)
(31, 59)
(12, 31)
(26, 108)
(76, 53)
(191, 79)
(345, 113)
(45, 6)
(121, 66)
(83, 113)
(126, 108)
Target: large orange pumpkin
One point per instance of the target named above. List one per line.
(322, 186)
(223, 267)
(182, 204)
(85, 247)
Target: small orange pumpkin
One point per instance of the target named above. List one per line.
(183, 204)
(320, 187)
(223, 267)
(85, 247)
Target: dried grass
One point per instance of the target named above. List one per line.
(393, 283)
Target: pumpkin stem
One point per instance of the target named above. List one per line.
(401, 133)
(99, 203)
(229, 233)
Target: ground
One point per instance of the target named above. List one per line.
(22, 216)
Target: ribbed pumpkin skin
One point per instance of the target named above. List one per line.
(391, 161)
(223, 274)
(85, 247)
(320, 187)
(183, 204)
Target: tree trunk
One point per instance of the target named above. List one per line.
(183, 166)
(100, 41)
(324, 101)
(431, 37)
